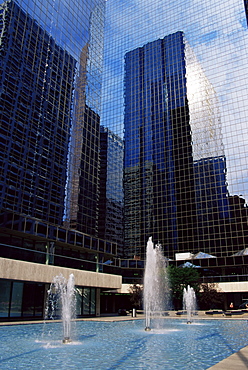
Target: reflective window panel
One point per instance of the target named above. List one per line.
(174, 89)
(50, 83)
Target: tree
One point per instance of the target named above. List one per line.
(136, 295)
(180, 278)
(210, 296)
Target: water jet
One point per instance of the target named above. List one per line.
(156, 290)
(62, 293)
(189, 303)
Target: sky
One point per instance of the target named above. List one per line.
(218, 35)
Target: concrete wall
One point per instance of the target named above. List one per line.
(240, 286)
(28, 271)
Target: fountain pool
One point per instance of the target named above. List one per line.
(122, 345)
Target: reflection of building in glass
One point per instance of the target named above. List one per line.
(212, 206)
(50, 80)
(36, 73)
(237, 231)
(204, 112)
(211, 188)
(215, 98)
(171, 127)
(88, 190)
(83, 173)
(111, 187)
(246, 9)
(60, 192)
(158, 165)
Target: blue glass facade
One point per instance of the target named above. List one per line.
(173, 190)
(181, 109)
(50, 82)
(50, 104)
(35, 72)
(172, 111)
(213, 206)
(111, 188)
(158, 166)
(50, 85)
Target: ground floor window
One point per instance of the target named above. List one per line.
(5, 289)
(20, 299)
(86, 301)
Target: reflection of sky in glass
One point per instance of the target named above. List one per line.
(217, 33)
(75, 26)
(62, 19)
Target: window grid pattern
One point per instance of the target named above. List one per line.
(181, 109)
(36, 72)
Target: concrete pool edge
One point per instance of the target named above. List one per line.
(114, 317)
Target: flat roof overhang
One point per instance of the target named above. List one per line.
(35, 272)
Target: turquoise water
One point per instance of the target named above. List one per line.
(121, 345)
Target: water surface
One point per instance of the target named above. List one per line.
(122, 345)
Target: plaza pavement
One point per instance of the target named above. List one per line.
(237, 361)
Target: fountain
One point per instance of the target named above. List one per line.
(156, 290)
(62, 292)
(189, 303)
(123, 345)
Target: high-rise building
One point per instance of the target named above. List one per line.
(50, 83)
(35, 131)
(111, 188)
(50, 100)
(83, 194)
(163, 140)
(215, 118)
(169, 84)
(213, 211)
(211, 152)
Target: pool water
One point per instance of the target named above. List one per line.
(122, 345)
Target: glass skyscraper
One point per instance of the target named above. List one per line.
(111, 188)
(36, 72)
(158, 164)
(121, 120)
(50, 90)
(51, 60)
(174, 88)
(162, 139)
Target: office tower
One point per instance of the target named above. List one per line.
(82, 210)
(83, 189)
(50, 82)
(54, 215)
(246, 9)
(111, 188)
(160, 122)
(35, 73)
(213, 208)
(50, 102)
(213, 86)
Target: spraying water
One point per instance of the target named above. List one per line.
(156, 287)
(189, 303)
(62, 293)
